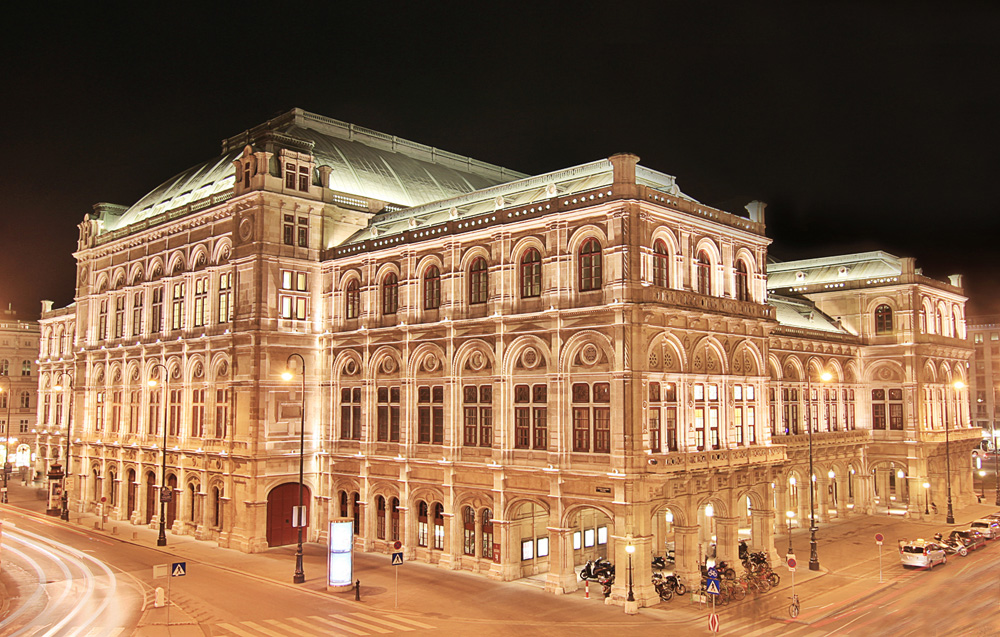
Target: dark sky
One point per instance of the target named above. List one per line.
(864, 125)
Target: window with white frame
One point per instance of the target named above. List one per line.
(177, 306)
(200, 301)
(225, 297)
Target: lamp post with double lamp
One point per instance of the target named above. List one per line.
(300, 575)
(791, 516)
(69, 430)
(958, 385)
(813, 554)
(165, 495)
(927, 488)
(6, 449)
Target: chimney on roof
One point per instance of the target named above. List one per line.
(756, 210)
(46, 306)
(623, 167)
(955, 279)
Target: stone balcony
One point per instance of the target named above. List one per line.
(716, 459)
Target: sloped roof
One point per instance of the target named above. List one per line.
(800, 313)
(823, 270)
(561, 183)
(365, 163)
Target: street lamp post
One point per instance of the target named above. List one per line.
(982, 485)
(996, 464)
(630, 605)
(927, 486)
(958, 385)
(790, 515)
(69, 431)
(6, 455)
(300, 575)
(813, 554)
(161, 539)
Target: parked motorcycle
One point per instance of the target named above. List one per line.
(594, 570)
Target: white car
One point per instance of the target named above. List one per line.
(921, 553)
(988, 527)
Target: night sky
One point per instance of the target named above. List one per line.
(863, 125)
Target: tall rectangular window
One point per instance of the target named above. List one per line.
(116, 410)
(134, 404)
(744, 414)
(177, 307)
(225, 297)
(896, 409)
(222, 398)
(430, 414)
(290, 175)
(137, 313)
(288, 230)
(591, 417)
(102, 320)
(120, 316)
(197, 413)
(478, 415)
(302, 231)
(878, 409)
(99, 407)
(174, 421)
(848, 395)
(153, 417)
(388, 414)
(662, 417)
(156, 311)
(200, 301)
(350, 413)
(304, 178)
(293, 300)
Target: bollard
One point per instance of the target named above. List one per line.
(135, 535)
(97, 525)
(586, 589)
(158, 598)
(357, 591)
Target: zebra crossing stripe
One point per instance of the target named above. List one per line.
(235, 630)
(354, 631)
(385, 622)
(400, 618)
(376, 629)
(263, 629)
(295, 631)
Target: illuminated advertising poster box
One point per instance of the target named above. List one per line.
(340, 555)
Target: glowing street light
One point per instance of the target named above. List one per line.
(69, 429)
(287, 375)
(165, 495)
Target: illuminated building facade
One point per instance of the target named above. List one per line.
(18, 392)
(510, 374)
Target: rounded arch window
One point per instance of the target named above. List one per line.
(352, 299)
(479, 281)
(390, 294)
(703, 268)
(661, 264)
(742, 281)
(590, 265)
(432, 288)
(531, 274)
(883, 319)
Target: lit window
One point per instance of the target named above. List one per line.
(531, 274)
(479, 280)
(352, 300)
(883, 319)
(590, 265)
(591, 417)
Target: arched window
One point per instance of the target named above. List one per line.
(4, 367)
(432, 288)
(380, 518)
(590, 265)
(531, 274)
(883, 319)
(661, 264)
(352, 301)
(703, 268)
(421, 523)
(357, 513)
(25, 400)
(469, 531)
(390, 295)
(394, 512)
(487, 533)
(439, 526)
(742, 282)
(479, 281)
(343, 504)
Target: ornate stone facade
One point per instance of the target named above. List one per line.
(509, 374)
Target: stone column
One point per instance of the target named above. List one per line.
(727, 534)
(687, 565)
(451, 556)
(822, 487)
(561, 577)
(864, 493)
(781, 502)
(762, 528)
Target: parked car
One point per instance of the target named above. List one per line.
(988, 527)
(921, 553)
(972, 539)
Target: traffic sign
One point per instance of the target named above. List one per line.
(713, 622)
(161, 570)
(878, 538)
(712, 586)
(166, 496)
(791, 564)
(179, 569)
(397, 559)
(397, 545)
(713, 572)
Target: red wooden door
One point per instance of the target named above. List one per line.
(280, 501)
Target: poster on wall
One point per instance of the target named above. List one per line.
(340, 557)
(496, 553)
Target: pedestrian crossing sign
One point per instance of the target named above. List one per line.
(712, 587)
(179, 569)
(397, 559)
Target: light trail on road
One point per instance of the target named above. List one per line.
(52, 614)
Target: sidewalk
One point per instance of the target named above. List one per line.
(846, 549)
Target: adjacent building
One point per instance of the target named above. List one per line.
(18, 392)
(509, 374)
